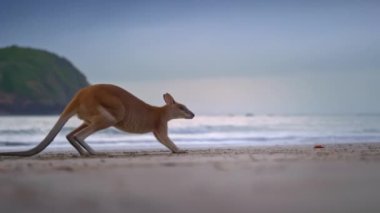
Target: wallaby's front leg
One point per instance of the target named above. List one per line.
(163, 138)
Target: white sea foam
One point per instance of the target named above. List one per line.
(205, 131)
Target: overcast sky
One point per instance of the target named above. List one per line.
(215, 56)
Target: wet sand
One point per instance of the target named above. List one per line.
(337, 178)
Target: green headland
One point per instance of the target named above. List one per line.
(34, 81)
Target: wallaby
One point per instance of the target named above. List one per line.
(104, 105)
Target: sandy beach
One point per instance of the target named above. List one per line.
(337, 178)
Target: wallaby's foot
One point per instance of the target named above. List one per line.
(82, 153)
(88, 154)
(180, 151)
(91, 152)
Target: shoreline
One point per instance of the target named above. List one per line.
(70, 159)
(296, 178)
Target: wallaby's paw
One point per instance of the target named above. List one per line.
(180, 152)
(88, 154)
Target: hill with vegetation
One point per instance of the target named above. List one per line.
(35, 81)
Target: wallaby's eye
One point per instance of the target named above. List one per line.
(181, 107)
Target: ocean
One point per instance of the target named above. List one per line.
(24, 132)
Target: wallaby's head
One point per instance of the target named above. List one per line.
(175, 109)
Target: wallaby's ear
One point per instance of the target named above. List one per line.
(168, 99)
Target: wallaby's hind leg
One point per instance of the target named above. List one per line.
(70, 137)
(97, 123)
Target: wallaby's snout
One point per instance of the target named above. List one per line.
(184, 112)
(191, 115)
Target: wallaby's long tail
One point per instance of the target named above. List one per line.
(65, 116)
